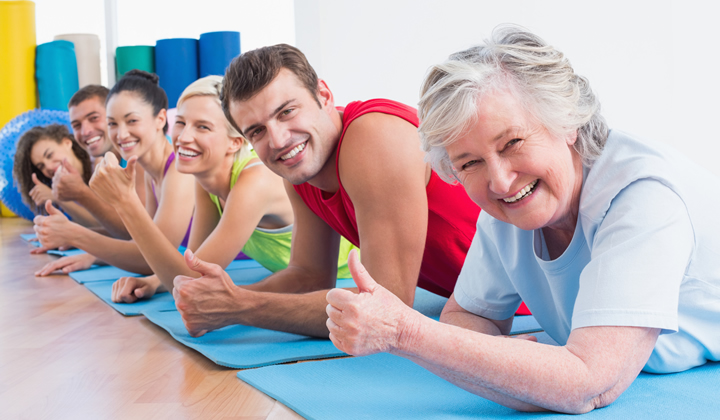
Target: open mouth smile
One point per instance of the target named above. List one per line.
(187, 152)
(522, 194)
(291, 154)
(93, 140)
(128, 144)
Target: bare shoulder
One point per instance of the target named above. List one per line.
(258, 177)
(379, 131)
(378, 147)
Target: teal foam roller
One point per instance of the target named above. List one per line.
(57, 74)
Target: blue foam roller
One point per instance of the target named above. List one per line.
(9, 136)
(217, 49)
(57, 74)
(176, 63)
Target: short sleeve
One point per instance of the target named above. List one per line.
(483, 287)
(639, 255)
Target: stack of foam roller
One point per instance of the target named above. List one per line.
(180, 61)
(72, 61)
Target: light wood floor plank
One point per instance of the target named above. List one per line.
(64, 354)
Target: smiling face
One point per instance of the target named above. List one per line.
(47, 155)
(515, 170)
(200, 135)
(132, 127)
(293, 135)
(89, 125)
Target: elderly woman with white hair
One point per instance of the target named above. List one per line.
(611, 241)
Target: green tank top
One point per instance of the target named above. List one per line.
(271, 247)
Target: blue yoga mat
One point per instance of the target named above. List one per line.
(176, 63)
(240, 273)
(217, 49)
(108, 272)
(100, 273)
(57, 74)
(103, 290)
(32, 240)
(384, 386)
(241, 347)
(67, 253)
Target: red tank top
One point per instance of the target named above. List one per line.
(451, 213)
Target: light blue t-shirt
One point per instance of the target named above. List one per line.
(645, 253)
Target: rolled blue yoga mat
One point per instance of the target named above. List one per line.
(383, 386)
(57, 74)
(217, 49)
(176, 63)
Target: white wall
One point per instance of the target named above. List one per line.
(143, 22)
(654, 64)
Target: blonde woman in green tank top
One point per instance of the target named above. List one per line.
(240, 204)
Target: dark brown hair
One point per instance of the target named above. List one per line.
(147, 86)
(250, 72)
(24, 168)
(89, 92)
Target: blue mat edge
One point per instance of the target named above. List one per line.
(89, 284)
(334, 355)
(275, 396)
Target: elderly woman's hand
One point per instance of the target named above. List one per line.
(371, 321)
(40, 193)
(111, 182)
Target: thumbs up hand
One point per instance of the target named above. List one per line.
(371, 321)
(67, 184)
(208, 302)
(54, 230)
(111, 182)
(40, 193)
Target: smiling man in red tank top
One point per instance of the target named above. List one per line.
(356, 171)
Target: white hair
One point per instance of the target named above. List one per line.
(513, 59)
(210, 86)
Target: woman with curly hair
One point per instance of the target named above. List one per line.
(41, 152)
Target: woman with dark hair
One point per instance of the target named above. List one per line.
(137, 123)
(41, 152)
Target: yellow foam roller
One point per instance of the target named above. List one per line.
(17, 63)
(5, 212)
(17, 55)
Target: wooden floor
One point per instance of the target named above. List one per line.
(64, 354)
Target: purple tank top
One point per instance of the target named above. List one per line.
(169, 162)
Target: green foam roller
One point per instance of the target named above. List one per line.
(141, 57)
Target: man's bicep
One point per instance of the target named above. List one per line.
(382, 170)
(315, 244)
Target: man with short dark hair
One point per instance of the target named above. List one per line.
(356, 171)
(88, 121)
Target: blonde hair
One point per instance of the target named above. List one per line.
(536, 73)
(211, 86)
